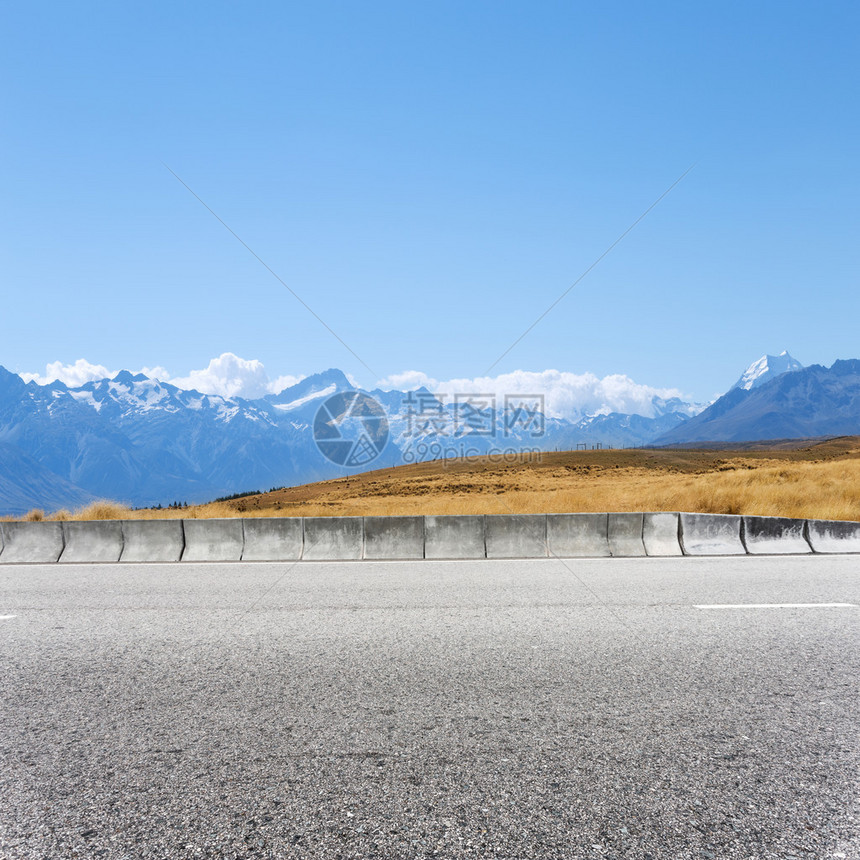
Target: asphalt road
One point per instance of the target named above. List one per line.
(434, 709)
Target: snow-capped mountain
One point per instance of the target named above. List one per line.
(802, 404)
(142, 441)
(766, 368)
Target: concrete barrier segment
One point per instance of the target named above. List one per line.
(516, 535)
(775, 536)
(272, 539)
(393, 537)
(36, 543)
(577, 535)
(625, 535)
(711, 534)
(454, 537)
(213, 540)
(660, 534)
(92, 541)
(833, 536)
(152, 540)
(333, 538)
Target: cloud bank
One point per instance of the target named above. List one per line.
(227, 376)
(566, 395)
(73, 375)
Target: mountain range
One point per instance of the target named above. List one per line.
(146, 442)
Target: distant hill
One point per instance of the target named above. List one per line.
(811, 402)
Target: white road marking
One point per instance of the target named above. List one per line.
(7, 617)
(775, 606)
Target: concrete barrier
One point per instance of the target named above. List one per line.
(775, 536)
(39, 543)
(273, 539)
(660, 534)
(625, 535)
(92, 541)
(516, 536)
(577, 535)
(454, 537)
(415, 537)
(213, 540)
(152, 540)
(833, 536)
(333, 538)
(393, 537)
(711, 534)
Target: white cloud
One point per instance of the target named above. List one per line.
(276, 386)
(73, 375)
(566, 395)
(227, 376)
(409, 380)
(162, 374)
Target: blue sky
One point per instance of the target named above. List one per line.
(429, 178)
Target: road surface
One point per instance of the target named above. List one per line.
(626, 708)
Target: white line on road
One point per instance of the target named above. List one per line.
(775, 606)
(7, 617)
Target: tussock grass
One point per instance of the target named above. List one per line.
(102, 510)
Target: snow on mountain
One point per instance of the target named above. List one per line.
(766, 368)
(307, 398)
(311, 387)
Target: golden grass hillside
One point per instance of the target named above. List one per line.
(820, 480)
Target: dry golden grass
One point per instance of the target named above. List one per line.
(100, 510)
(820, 481)
(814, 490)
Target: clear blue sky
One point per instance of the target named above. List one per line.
(429, 177)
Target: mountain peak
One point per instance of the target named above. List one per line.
(766, 368)
(330, 380)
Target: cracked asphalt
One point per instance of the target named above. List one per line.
(503, 709)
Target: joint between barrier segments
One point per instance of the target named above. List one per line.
(302, 547)
(681, 535)
(742, 532)
(806, 536)
(484, 532)
(184, 540)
